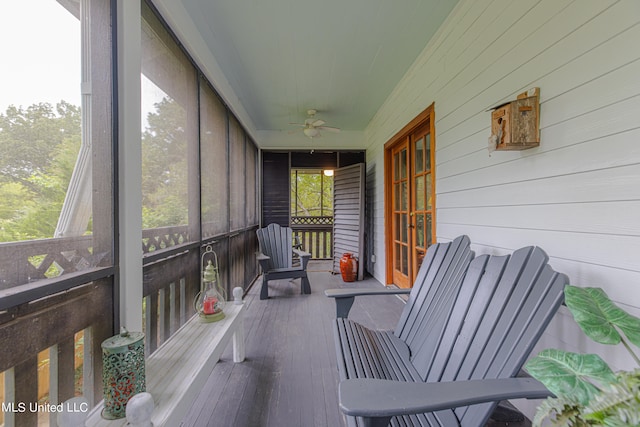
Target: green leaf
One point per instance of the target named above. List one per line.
(617, 404)
(567, 374)
(560, 411)
(598, 316)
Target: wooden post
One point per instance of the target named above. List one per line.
(130, 159)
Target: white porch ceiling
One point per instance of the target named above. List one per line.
(283, 57)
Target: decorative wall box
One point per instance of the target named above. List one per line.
(515, 125)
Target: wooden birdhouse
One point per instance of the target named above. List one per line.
(515, 125)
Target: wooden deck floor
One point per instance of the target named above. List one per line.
(289, 377)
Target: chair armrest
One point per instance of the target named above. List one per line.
(301, 254)
(263, 260)
(345, 297)
(304, 257)
(351, 292)
(384, 398)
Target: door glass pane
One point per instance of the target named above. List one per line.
(403, 196)
(428, 230)
(396, 196)
(420, 230)
(403, 163)
(397, 226)
(420, 205)
(419, 258)
(396, 166)
(398, 255)
(405, 259)
(403, 228)
(419, 160)
(428, 154)
(429, 195)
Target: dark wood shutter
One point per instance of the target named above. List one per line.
(348, 215)
(275, 188)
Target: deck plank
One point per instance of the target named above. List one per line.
(289, 376)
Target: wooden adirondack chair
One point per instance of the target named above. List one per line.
(276, 258)
(459, 344)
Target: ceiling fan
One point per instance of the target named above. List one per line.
(312, 126)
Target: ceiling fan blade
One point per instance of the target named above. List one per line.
(317, 123)
(298, 124)
(329, 129)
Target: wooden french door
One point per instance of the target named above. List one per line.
(421, 214)
(400, 222)
(409, 195)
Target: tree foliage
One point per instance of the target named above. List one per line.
(311, 193)
(38, 150)
(39, 146)
(164, 167)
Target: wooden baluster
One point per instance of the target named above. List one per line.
(62, 374)
(166, 309)
(9, 396)
(152, 332)
(26, 391)
(182, 302)
(162, 332)
(174, 307)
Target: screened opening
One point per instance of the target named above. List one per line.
(213, 158)
(312, 210)
(56, 200)
(169, 138)
(52, 123)
(198, 184)
(311, 193)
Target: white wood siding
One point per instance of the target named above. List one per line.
(578, 194)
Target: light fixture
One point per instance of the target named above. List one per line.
(328, 172)
(311, 132)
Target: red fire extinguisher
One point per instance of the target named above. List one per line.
(348, 267)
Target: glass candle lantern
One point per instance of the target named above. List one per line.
(209, 302)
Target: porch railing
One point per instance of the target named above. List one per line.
(314, 234)
(31, 260)
(51, 348)
(172, 275)
(59, 335)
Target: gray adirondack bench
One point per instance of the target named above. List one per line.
(276, 258)
(463, 336)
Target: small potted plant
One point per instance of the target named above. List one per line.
(588, 392)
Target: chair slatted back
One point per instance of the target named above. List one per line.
(436, 287)
(487, 327)
(276, 242)
(439, 335)
(537, 293)
(476, 318)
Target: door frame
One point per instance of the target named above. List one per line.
(425, 117)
